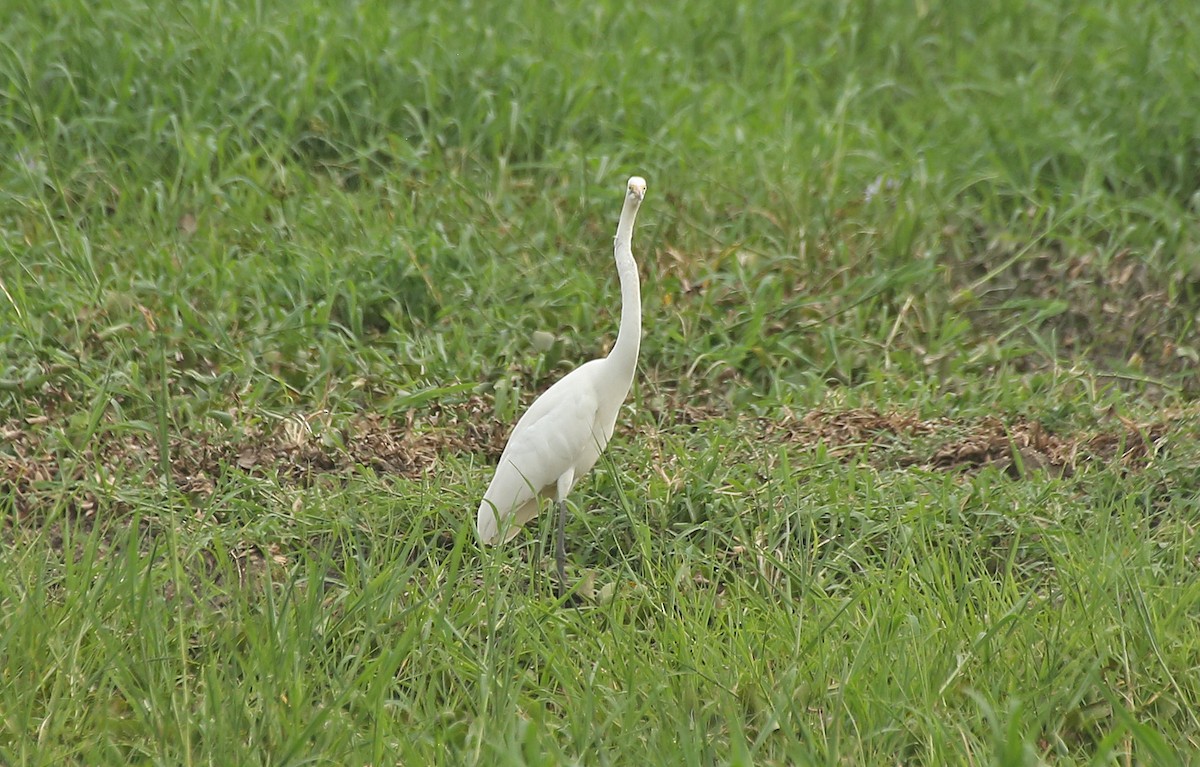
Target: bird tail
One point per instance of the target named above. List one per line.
(494, 527)
(488, 523)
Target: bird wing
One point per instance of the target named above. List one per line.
(559, 428)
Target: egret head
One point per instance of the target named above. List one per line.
(637, 188)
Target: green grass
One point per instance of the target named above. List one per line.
(908, 475)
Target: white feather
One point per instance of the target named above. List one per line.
(565, 430)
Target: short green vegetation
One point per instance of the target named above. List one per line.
(910, 473)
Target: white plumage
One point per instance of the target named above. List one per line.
(566, 429)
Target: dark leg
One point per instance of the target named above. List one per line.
(560, 549)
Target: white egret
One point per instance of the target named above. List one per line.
(564, 431)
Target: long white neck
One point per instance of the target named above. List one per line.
(624, 353)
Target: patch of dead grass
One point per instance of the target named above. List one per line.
(1016, 444)
(37, 472)
(38, 468)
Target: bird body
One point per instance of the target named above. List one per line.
(562, 434)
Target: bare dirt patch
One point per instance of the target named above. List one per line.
(39, 465)
(41, 470)
(845, 430)
(1017, 444)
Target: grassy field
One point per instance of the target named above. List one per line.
(910, 473)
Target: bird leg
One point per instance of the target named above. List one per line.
(560, 547)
